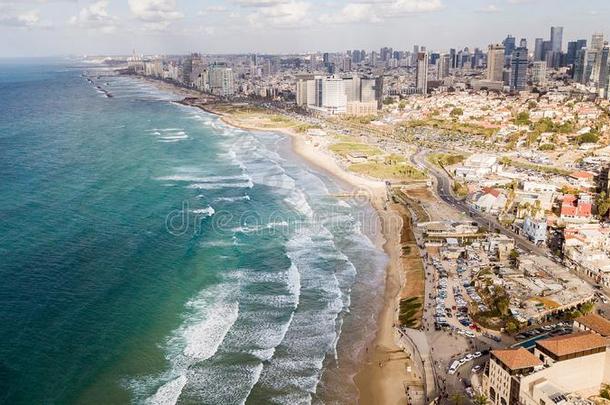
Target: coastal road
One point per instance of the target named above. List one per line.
(443, 189)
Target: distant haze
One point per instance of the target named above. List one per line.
(62, 27)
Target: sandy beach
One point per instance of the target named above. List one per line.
(382, 376)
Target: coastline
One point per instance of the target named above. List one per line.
(382, 372)
(382, 365)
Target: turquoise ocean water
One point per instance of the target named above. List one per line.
(151, 254)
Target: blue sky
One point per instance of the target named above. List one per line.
(62, 27)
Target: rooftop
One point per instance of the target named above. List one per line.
(573, 343)
(516, 359)
(596, 323)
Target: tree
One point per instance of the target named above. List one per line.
(589, 137)
(603, 204)
(523, 118)
(457, 112)
(511, 326)
(480, 399)
(604, 392)
(586, 307)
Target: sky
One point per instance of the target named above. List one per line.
(117, 27)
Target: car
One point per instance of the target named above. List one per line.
(476, 369)
(462, 361)
(469, 334)
(469, 357)
(476, 355)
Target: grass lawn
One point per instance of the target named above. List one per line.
(393, 167)
(345, 148)
(445, 159)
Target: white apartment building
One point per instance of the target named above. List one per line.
(221, 80)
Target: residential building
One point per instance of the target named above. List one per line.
(221, 80)
(539, 73)
(573, 207)
(535, 229)
(421, 75)
(495, 62)
(503, 377)
(443, 64)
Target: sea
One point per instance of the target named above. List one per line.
(151, 254)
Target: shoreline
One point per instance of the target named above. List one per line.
(382, 365)
(381, 375)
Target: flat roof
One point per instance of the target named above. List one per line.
(516, 359)
(573, 343)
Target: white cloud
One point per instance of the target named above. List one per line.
(155, 11)
(352, 13)
(21, 19)
(374, 11)
(96, 17)
(293, 14)
(259, 3)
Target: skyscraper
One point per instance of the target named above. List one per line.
(495, 62)
(597, 41)
(602, 71)
(421, 74)
(573, 48)
(518, 72)
(442, 66)
(580, 65)
(556, 39)
(539, 49)
(509, 45)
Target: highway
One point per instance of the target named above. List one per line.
(443, 185)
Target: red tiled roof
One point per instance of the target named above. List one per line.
(581, 175)
(596, 323)
(573, 343)
(516, 359)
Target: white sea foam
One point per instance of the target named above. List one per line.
(204, 338)
(233, 199)
(299, 202)
(174, 137)
(207, 211)
(169, 392)
(190, 178)
(218, 243)
(216, 186)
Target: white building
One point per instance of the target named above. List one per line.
(477, 166)
(535, 230)
(221, 80)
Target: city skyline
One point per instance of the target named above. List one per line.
(63, 27)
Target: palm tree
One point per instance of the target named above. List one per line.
(480, 399)
(457, 398)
